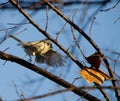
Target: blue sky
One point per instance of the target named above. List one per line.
(104, 33)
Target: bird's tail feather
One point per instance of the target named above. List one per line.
(18, 40)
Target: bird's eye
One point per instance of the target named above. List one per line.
(48, 44)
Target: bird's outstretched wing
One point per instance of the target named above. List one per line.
(51, 58)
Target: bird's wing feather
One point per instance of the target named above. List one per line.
(51, 58)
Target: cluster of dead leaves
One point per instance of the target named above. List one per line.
(93, 73)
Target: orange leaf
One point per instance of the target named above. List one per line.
(93, 75)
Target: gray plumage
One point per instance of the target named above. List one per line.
(42, 50)
(35, 47)
(51, 58)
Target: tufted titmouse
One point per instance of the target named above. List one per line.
(42, 50)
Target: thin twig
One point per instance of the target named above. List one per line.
(18, 24)
(47, 74)
(46, 95)
(45, 33)
(58, 33)
(92, 22)
(21, 95)
(5, 29)
(111, 7)
(46, 27)
(91, 42)
(1, 5)
(77, 28)
(77, 44)
(116, 20)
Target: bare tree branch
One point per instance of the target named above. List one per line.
(66, 90)
(46, 95)
(71, 23)
(48, 75)
(45, 33)
(40, 5)
(91, 42)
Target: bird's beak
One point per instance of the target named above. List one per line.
(51, 46)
